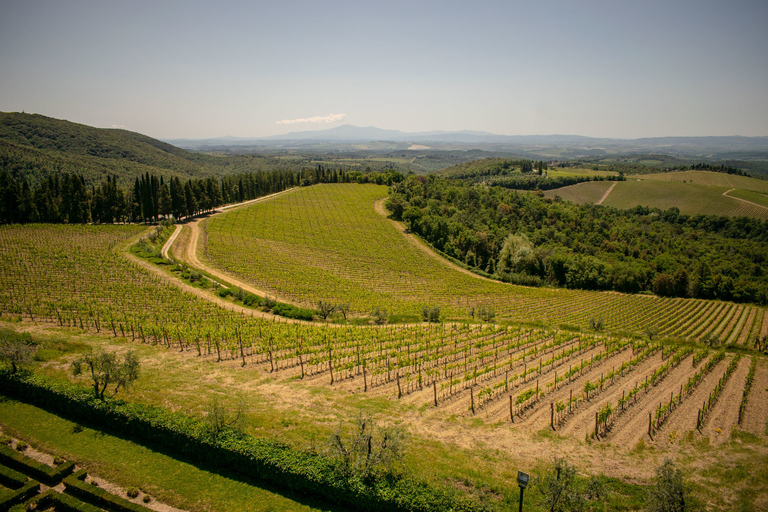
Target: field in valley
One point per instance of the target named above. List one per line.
(479, 399)
(693, 192)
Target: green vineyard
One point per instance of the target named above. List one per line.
(328, 243)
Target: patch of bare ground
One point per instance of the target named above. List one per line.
(756, 413)
(632, 425)
(725, 415)
(683, 418)
(582, 422)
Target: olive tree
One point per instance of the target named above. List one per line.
(106, 370)
(16, 348)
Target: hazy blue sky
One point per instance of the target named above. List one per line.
(173, 69)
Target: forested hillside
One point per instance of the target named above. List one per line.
(524, 238)
(34, 147)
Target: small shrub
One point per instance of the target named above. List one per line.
(132, 492)
(21, 446)
(252, 300)
(147, 498)
(57, 461)
(669, 494)
(224, 292)
(5, 440)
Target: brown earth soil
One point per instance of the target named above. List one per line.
(755, 416)
(632, 426)
(724, 417)
(683, 418)
(582, 423)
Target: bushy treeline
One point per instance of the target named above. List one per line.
(66, 198)
(546, 183)
(527, 239)
(494, 167)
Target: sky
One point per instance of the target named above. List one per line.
(195, 69)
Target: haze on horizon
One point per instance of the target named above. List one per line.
(194, 69)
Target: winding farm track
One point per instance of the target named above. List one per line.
(725, 194)
(190, 251)
(607, 193)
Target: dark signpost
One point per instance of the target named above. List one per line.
(522, 481)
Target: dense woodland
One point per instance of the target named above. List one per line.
(524, 238)
(66, 198)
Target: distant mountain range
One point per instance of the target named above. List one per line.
(466, 139)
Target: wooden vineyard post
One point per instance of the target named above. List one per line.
(511, 411)
(506, 380)
(330, 362)
(111, 322)
(218, 349)
(197, 342)
(552, 415)
(570, 400)
(622, 400)
(472, 398)
(555, 380)
(698, 421)
(434, 389)
(596, 418)
(650, 425)
(537, 389)
(399, 390)
(239, 342)
(301, 363)
(365, 380)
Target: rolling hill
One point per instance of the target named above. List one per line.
(692, 192)
(36, 146)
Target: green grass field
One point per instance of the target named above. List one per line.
(690, 198)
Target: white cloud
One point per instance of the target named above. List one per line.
(330, 118)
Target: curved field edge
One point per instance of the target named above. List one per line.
(327, 243)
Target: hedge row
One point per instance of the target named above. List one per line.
(61, 502)
(10, 478)
(42, 472)
(9, 499)
(92, 494)
(267, 460)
